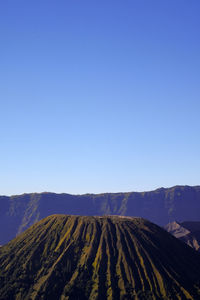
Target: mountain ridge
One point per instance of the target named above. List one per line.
(103, 193)
(160, 206)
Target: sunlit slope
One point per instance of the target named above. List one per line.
(72, 257)
(188, 232)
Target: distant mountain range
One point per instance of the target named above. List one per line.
(188, 232)
(98, 258)
(161, 206)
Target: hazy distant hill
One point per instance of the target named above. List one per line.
(188, 232)
(160, 206)
(98, 258)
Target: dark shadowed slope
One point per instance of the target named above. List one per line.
(161, 206)
(188, 232)
(71, 257)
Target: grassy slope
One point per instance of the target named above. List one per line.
(70, 257)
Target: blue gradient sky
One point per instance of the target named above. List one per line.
(99, 96)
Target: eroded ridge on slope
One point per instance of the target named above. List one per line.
(75, 257)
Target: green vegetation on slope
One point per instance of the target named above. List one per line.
(72, 257)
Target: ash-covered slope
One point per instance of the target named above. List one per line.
(71, 257)
(188, 232)
(161, 206)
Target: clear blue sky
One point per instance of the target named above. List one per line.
(99, 96)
